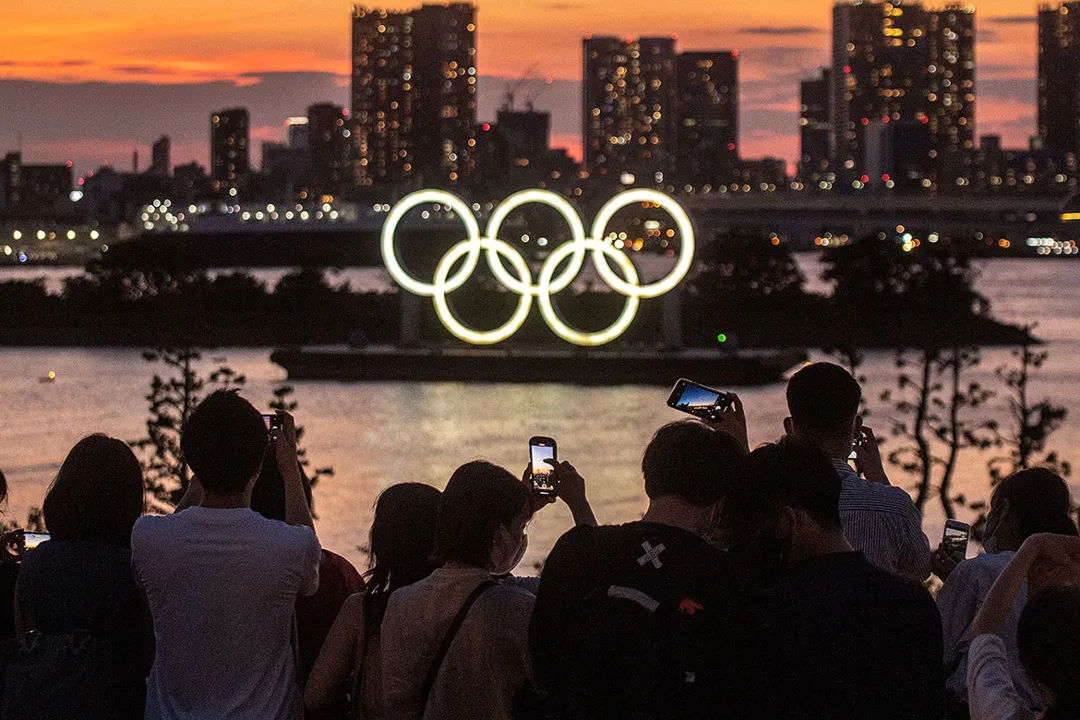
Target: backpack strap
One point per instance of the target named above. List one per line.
(448, 640)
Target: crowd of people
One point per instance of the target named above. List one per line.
(779, 582)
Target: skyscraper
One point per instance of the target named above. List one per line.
(1059, 70)
(383, 95)
(328, 147)
(881, 55)
(161, 157)
(414, 93)
(708, 117)
(230, 160)
(951, 94)
(814, 129)
(630, 106)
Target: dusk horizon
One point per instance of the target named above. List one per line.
(72, 95)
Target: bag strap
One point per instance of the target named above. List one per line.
(448, 640)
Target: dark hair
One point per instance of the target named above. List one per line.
(1039, 501)
(403, 537)
(791, 473)
(479, 498)
(1048, 637)
(823, 400)
(692, 462)
(3, 488)
(224, 442)
(268, 495)
(97, 494)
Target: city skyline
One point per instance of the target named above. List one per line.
(189, 60)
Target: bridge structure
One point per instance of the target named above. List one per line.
(803, 218)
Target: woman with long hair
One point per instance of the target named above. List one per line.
(80, 580)
(401, 550)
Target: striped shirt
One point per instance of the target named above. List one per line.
(883, 523)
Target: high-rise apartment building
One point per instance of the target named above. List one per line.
(630, 106)
(414, 94)
(328, 147)
(899, 62)
(230, 152)
(815, 98)
(1059, 77)
(951, 94)
(707, 135)
(881, 53)
(161, 157)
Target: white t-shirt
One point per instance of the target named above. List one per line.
(222, 587)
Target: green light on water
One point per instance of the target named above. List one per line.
(721, 338)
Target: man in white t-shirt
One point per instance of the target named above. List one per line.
(222, 581)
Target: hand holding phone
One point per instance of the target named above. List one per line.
(955, 539)
(541, 450)
(700, 401)
(273, 425)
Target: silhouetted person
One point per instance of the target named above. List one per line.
(402, 546)
(81, 579)
(455, 644)
(1025, 503)
(222, 580)
(1048, 634)
(10, 551)
(629, 619)
(879, 519)
(837, 637)
(338, 579)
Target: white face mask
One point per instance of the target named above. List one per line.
(505, 556)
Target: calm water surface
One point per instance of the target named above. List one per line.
(375, 435)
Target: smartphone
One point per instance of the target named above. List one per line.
(955, 539)
(273, 424)
(32, 540)
(858, 442)
(542, 449)
(698, 400)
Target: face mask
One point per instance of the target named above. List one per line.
(507, 555)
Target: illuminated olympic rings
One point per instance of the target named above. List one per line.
(519, 278)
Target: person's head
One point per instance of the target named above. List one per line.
(1048, 637)
(97, 494)
(403, 536)
(3, 488)
(268, 493)
(692, 464)
(224, 443)
(823, 406)
(1027, 502)
(789, 509)
(482, 517)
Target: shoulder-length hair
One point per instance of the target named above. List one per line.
(97, 494)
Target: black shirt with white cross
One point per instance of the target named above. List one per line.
(636, 621)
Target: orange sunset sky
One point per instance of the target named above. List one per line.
(92, 81)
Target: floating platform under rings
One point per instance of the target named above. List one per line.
(717, 368)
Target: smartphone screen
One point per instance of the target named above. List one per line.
(697, 400)
(541, 450)
(273, 423)
(32, 540)
(956, 538)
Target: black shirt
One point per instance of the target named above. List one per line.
(633, 621)
(67, 586)
(842, 639)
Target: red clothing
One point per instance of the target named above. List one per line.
(315, 615)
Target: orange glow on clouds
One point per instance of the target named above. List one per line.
(206, 40)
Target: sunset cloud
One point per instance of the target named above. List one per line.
(177, 63)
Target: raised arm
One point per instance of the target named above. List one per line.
(297, 510)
